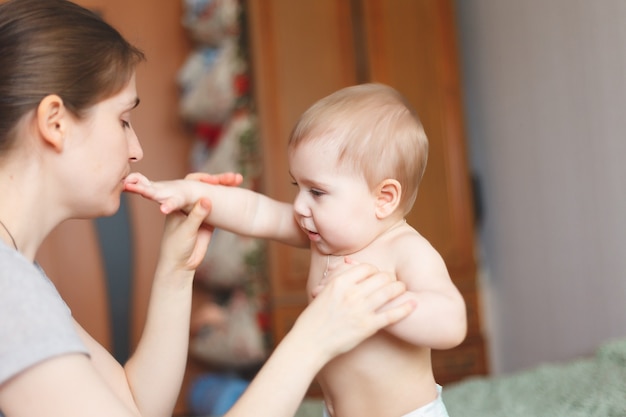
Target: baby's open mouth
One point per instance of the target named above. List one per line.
(312, 235)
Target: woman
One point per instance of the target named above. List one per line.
(67, 89)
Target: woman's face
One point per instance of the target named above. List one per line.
(99, 150)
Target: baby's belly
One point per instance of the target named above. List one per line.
(381, 377)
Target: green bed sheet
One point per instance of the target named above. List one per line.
(588, 387)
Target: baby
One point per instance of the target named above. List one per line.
(356, 157)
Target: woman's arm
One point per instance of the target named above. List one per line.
(345, 313)
(73, 385)
(155, 370)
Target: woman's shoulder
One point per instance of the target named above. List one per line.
(18, 274)
(35, 322)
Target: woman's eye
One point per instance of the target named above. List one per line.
(125, 124)
(316, 193)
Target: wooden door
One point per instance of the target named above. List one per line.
(301, 51)
(411, 45)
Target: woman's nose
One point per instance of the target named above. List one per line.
(135, 151)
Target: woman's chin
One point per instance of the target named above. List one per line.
(110, 209)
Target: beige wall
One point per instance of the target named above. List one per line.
(546, 106)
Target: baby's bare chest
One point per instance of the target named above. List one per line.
(324, 267)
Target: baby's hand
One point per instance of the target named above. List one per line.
(138, 183)
(135, 179)
(178, 194)
(166, 195)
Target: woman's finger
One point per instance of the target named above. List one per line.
(352, 273)
(225, 178)
(186, 238)
(347, 310)
(202, 234)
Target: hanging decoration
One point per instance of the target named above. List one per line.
(216, 103)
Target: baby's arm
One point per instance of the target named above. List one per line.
(440, 319)
(236, 210)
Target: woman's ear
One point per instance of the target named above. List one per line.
(388, 194)
(52, 121)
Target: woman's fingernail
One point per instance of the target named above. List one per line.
(206, 204)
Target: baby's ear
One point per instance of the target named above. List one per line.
(388, 193)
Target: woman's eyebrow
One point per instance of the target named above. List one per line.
(131, 104)
(134, 103)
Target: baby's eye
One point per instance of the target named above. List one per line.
(316, 193)
(125, 124)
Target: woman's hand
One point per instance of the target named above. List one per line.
(186, 237)
(232, 179)
(346, 311)
(331, 271)
(165, 337)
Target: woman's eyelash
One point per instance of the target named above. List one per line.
(125, 124)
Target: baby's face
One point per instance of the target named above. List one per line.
(333, 205)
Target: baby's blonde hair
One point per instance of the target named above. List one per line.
(377, 133)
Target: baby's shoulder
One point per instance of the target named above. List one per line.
(411, 251)
(409, 239)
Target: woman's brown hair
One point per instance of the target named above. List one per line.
(57, 47)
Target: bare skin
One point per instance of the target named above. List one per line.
(64, 167)
(339, 217)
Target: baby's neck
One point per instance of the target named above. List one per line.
(383, 232)
(392, 225)
(332, 259)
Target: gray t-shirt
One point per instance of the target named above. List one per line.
(35, 322)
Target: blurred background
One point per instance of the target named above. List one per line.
(523, 103)
(545, 93)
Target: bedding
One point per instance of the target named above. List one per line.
(587, 387)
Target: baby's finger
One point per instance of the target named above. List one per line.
(168, 206)
(136, 178)
(132, 178)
